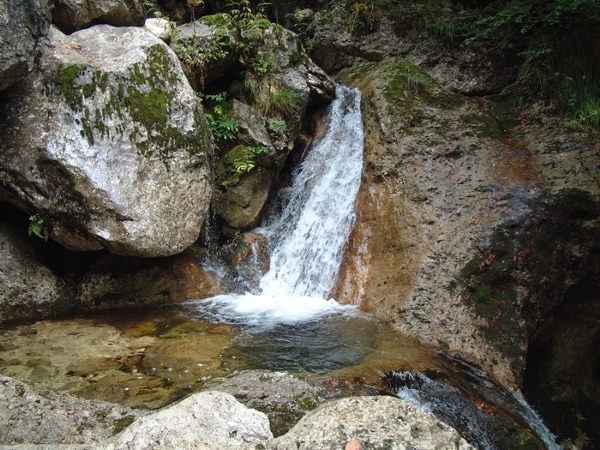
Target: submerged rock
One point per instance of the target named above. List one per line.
(375, 422)
(108, 144)
(72, 15)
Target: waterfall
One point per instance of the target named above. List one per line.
(308, 236)
(314, 226)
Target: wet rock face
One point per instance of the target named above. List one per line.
(73, 15)
(447, 213)
(370, 422)
(560, 250)
(108, 143)
(22, 22)
(478, 234)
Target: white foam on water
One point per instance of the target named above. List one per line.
(266, 310)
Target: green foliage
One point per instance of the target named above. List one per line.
(446, 30)
(545, 17)
(37, 227)
(262, 63)
(362, 16)
(277, 126)
(195, 55)
(417, 80)
(217, 107)
(243, 159)
(149, 8)
(270, 96)
(563, 55)
(246, 25)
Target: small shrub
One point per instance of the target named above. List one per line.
(221, 125)
(446, 30)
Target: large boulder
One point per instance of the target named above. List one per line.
(28, 288)
(22, 22)
(370, 422)
(207, 420)
(72, 15)
(108, 144)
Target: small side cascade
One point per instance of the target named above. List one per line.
(480, 410)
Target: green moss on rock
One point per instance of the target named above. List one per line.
(145, 93)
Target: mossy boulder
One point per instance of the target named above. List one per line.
(107, 142)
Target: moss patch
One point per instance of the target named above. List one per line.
(144, 93)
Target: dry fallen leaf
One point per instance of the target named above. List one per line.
(353, 445)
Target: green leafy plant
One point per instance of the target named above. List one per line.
(270, 96)
(221, 125)
(562, 62)
(195, 56)
(37, 227)
(244, 160)
(263, 63)
(362, 16)
(417, 80)
(277, 126)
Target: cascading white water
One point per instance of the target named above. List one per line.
(309, 236)
(316, 221)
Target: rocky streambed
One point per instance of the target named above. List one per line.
(476, 232)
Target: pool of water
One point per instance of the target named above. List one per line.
(151, 357)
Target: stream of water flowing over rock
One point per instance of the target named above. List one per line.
(286, 321)
(308, 236)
